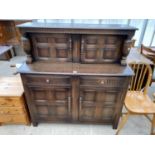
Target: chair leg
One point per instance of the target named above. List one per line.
(152, 125)
(122, 123)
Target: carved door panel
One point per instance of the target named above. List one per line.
(50, 103)
(101, 48)
(97, 105)
(53, 47)
(100, 97)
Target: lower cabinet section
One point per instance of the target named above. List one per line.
(78, 99)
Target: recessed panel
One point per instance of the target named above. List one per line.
(44, 52)
(61, 94)
(61, 53)
(42, 110)
(91, 53)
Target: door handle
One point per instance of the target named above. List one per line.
(69, 104)
(80, 103)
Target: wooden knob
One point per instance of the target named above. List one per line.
(47, 80)
(102, 82)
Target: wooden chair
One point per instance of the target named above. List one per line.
(137, 102)
(150, 54)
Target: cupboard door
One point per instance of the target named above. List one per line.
(101, 48)
(52, 47)
(50, 104)
(98, 105)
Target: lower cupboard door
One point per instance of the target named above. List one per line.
(97, 106)
(49, 105)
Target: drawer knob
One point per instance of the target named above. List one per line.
(102, 82)
(47, 80)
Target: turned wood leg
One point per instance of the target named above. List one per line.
(152, 125)
(35, 124)
(122, 123)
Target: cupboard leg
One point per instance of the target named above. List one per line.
(35, 124)
(152, 125)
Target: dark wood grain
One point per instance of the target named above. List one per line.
(76, 73)
(86, 43)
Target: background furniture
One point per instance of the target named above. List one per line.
(74, 72)
(150, 54)
(137, 102)
(12, 104)
(6, 52)
(9, 35)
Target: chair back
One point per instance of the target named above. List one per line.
(148, 52)
(142, 78)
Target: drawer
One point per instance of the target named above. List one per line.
(103, 81)
(13, 118)
(46, 80)
(11, 102)
(11, 110)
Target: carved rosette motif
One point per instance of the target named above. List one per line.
(27, 48)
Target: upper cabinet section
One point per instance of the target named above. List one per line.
(84, 43)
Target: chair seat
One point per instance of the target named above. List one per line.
(137, 102)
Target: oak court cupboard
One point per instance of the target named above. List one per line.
(76, 73)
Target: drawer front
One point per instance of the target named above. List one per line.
(47, 80)
(110, 82)
(11, 102)
(53, 47)
(101, 48)
(11, 111)
(13, 118)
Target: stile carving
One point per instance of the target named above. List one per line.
(126, 49)
(27, 48)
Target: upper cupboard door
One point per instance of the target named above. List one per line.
(101, 48)
(52, 47)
